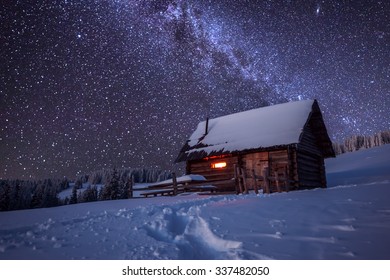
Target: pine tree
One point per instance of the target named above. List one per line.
(15, 197)
(128, 189)
(73, 198)
(36, 200)
(64, 184)
(385, 136)
(111, 191)
(5, 191)
(49, 198)
(80, 197)
(25, 195)
(90, 194)
(123, 190)
(79, 184)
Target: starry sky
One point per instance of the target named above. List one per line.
(92, 84)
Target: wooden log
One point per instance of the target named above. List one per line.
(174, 181)
(243, 176)
(200, 188)
(256, 188)
(277, 182)
(239, 180)
(218, 176)
(237, 175)
(308, 157)
(225, 185)
(166, 192)
(236, 180)
(266, 181)
(287, 182)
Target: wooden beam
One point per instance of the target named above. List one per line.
(237, 174)
(277, 181)
(174, 181)
(266, 181)
(255, 180)
(236, 179)
(243, 175)
(287, 179)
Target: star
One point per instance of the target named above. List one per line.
(87, 85)
(318, 10)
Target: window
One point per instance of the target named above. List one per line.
(221, 164)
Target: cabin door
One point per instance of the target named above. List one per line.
(255, 164)
(278, 162)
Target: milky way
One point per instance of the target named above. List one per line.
(87, 85)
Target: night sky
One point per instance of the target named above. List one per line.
(86, 85)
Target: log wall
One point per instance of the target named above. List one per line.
(300, 166)
(254, 161)
(308, 142)
(203, 167)
(311, 170)
(279, 164)
(311, 167)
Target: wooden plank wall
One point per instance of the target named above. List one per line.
(308, 142)
(293, 168)
(278, 162)
(311, 167)
(310, 170)
(283, 162)
(254, 161)
(203, 167)
(303, 168)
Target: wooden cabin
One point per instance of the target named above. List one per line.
(282, 147)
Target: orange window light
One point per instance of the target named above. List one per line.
(221, 164)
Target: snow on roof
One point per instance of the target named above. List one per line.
(270, 126)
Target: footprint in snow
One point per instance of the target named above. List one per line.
(191, 234)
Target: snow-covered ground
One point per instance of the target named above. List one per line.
(349, 220)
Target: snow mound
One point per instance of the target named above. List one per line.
(192, 235)
(361, 167)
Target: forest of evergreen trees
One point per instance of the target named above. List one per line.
(357, 142)
(117, 184)
(141, 175)
(19, 194)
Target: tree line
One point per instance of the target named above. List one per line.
(113, 184)
(358, 142)
(20, 194)
(115, 187)
(140, 175)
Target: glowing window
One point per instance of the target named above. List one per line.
(221, 164)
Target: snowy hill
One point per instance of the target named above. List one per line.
(361, 167)
(349, 220)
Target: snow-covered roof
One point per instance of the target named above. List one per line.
(272, 126)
